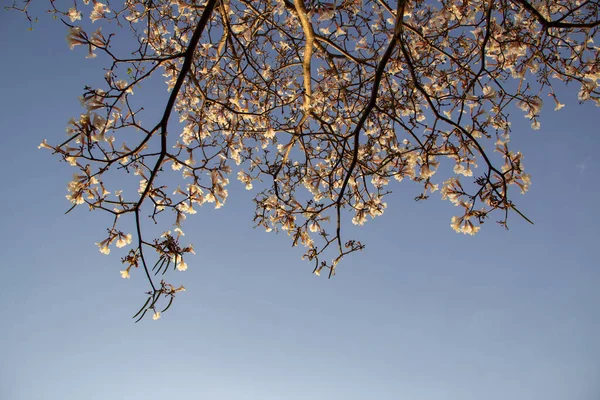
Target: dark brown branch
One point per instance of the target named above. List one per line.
(185, 68)
(367, 110)
(554, 24)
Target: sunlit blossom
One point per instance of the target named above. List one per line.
(123, 240)
(180, 265)
(103, 247)
(76, 37)
(74, 14)
(99, 10)
(44, 145)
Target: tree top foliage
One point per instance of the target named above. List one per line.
(315, 105)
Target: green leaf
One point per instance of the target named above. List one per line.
(169, 305)
(143, 307)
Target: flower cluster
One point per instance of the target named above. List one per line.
(320, 108)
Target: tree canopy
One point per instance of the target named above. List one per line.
(318, 106)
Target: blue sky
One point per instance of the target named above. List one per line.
(421, 314)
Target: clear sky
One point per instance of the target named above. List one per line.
(421, 314)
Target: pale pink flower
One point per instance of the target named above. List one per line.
(74, 15)
(76, 37)
(98, 12)
(123, 240)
